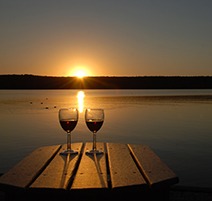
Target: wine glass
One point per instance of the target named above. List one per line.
(68, 118)
(94, 119)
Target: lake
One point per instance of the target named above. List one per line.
(176, 124)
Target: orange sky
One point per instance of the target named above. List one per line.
(110, 38)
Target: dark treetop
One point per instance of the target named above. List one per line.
(105, 82)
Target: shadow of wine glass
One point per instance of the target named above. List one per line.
(96, 158)
(65, 177)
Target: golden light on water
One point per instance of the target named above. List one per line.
(80, 97)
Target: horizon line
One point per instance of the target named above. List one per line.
(93, 76)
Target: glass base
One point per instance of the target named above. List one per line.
(66, 152)
(92, 152)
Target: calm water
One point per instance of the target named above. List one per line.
(176, 124)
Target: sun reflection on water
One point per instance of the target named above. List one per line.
(80, 97)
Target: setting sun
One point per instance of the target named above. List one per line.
(79, 72)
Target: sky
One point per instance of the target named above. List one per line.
(106, 37)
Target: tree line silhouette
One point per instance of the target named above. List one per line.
(27, 81)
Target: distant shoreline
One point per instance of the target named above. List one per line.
(105, 82)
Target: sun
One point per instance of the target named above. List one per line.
(79, 72)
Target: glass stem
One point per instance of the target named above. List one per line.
(68, 141)
(94, 141)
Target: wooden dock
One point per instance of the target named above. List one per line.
(122, 171)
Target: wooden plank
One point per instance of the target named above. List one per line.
(92, 172)
(22, 174)
(153, 168)
(123, 170)
(58, 173)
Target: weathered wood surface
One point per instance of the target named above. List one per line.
(24, 173)
(121, 168)
(92, 172)
(154, 170)
(60, 171)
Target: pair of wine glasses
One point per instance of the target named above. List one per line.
(68, 118)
